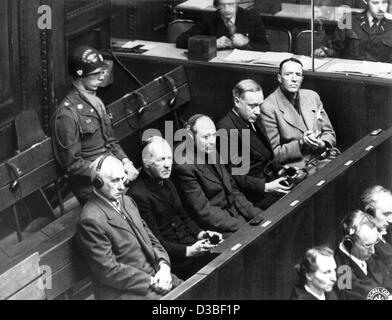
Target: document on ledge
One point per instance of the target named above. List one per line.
(143, 45)
(197, 4)
(307, 62)
(376, 69)
(268, 58)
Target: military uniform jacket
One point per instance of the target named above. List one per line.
(360, 43)
(161, 208)
(81, 135)
(247, 23)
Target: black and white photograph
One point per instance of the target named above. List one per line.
(208, 151)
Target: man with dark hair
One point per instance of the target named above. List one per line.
(367, 35)
(207, 189)
(377, 202)
(259, 184)
(160, 206)
(81, 129)
(126, 259)
(356, 259)
(233, 27)
(295, 120)
(317, 275)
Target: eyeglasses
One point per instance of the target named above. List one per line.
(368, 246)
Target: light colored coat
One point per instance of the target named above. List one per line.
(285, 126)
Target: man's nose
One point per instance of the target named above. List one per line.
(371, 250)
(333, 277)
(257, 111)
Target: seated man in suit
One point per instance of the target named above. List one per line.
(160, 206)
(356, 256)
(295, 120)
(233, 27)
(126, 259)
(317, 275)
(207, 189)
(82, 130)
(377, 202)
(369, 37)
(258, 185)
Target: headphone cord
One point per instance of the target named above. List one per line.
(124, 67)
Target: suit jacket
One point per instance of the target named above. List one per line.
(362, 284)
(212, 196)
(261, 155)
(359, 42)
(299, 293)
(161, 207)
(246, 22)
(285, 127)
(384, 252)
(123, 254)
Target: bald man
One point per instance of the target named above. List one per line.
(208, 190)
(160, 206)
(126, 259)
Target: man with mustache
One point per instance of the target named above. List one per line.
(160, 206)
(377, 202)
(295, 120)
(232, 26)
(356, 254)
(368, 38)
(81, 129)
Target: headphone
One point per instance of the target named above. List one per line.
(97, 181)
(348, 240)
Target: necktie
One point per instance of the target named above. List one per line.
(252, 126)
(230, 27)
(374, 28)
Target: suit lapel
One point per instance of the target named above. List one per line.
(136, 224)
(114, 218)
(364, 23)
(155, 188)
(289, 113)
(308, 110)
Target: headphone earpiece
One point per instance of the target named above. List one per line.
(97, 181)
(348, 243)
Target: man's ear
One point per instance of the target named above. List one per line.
(309, 276)
(279, 78)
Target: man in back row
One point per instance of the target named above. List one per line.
(233, 27)
(260, 184)
(295, 120)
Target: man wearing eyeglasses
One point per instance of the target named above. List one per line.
(81, 129)
(362, 269)
(377, 202)
(232, 26)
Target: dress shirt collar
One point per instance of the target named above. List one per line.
(315, 294)
(371, 18)
(115, 204)
(360, 263)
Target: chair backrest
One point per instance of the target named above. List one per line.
(23, 281)
(303, 42)
(177, 27)
(280, 39)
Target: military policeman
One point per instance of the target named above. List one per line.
(82, 129)
(368, 38)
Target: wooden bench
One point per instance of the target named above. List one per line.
(37, 167)
(257, 262)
